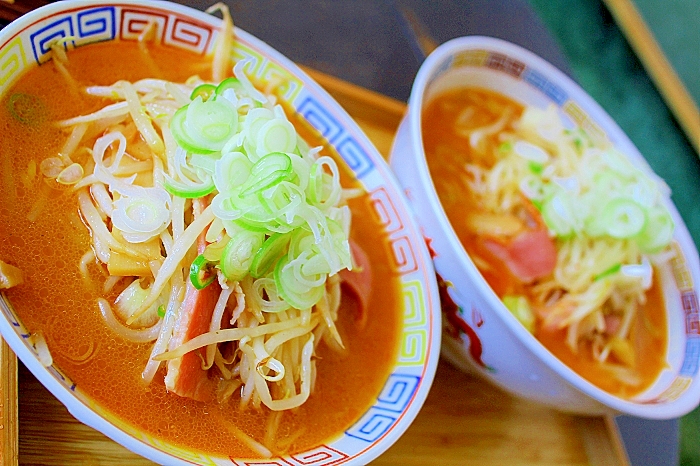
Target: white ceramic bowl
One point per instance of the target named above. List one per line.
(495, 344)
(23, 44)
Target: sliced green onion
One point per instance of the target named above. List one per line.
(161, 311)
(535, 167)
(607, 272)
(282, 201)
(271, 251)
(261, 226)
(309, 269)
(229, 83)
(143, 216)
(181, 135)
(27, 108)
(231, 171)
(324, 189)
(301, 240)
(623, 218)
(204, 162)
(657, 233)
(608, 182)
(205, 91)
(202, 272)
(238, 254)
(212, 123)
(268, 171)
(179, 189)
(292, 290)
(559, 215)
(276, 135)
(254, 120)
(270, 188)
(266, 295)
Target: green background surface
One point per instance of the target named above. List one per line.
(676, 26)
(603, 63)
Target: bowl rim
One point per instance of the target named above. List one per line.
(79, 406)
(431, 66)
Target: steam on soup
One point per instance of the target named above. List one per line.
(194, 257)
(564, 229)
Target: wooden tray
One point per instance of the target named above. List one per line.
(465, 420)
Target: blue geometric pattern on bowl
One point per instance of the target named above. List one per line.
(547, 87)
(373, 425)
(393, 400)
(692, 355)
(349, 149)
(397, 392)
(87, 26)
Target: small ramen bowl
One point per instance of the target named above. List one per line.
(23, 44)
(491, 342)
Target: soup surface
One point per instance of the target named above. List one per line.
(467, 133)
(57, 302)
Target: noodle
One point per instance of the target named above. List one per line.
(231, 334)
(137, 336)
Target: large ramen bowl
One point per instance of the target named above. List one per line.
(23, 44)
(490, 341)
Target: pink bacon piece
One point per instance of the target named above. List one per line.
(185, 375)
(359, 281)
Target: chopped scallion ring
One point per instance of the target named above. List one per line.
(179, 189)
(623, 218)
(205, 91)
(201, 272)
(229, 83)
(238, 254)
(271, 250)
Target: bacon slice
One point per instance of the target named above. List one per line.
(529, 256)
(359, 280)
(185, 375)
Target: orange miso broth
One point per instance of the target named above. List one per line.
(466, 132)
(58, 303)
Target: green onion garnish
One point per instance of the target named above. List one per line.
(201, 272)
(607, 272)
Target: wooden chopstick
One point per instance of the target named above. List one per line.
(9, 426)
(660, 70)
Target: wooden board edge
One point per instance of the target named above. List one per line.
(616, 439)
(601, 441)
(9, 415)
(657, 65)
